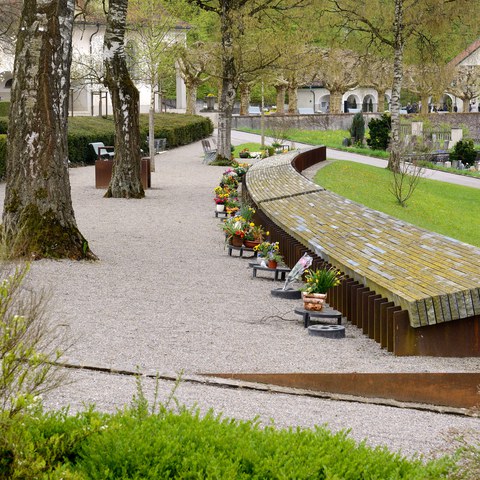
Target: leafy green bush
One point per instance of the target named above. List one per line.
(379, 132)
(3, 156)
(357, 130)
(464, 151)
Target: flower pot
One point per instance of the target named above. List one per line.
(220, 207)
(237, 241)
(313, 301)
(272, 264)
(251, 243)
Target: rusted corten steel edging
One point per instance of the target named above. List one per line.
(379, 289)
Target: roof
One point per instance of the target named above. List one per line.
(465, 54)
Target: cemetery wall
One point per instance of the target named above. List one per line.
(343, 121)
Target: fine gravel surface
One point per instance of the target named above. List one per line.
(165, 297)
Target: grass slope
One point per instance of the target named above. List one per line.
(448, 209)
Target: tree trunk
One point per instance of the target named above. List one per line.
(381, 101)
(292, 98)
(191, 88)
(424, 109)
(244, 98)
(394, 159)
(38, 218)
(227, 98)
(335, 101)
(151, 126)
(280, 99)
(125, 182)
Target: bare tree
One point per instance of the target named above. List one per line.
(338, 73)
(466, 84)
(233, 16)
(125, 182)
(153, 24)
(427, 80)
(392, 25)
(406, 178)
(38, 218)
(193, 62)
(29, 345)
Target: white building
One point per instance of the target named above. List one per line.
(317, 100)
(89, 97)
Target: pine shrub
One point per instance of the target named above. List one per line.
(357, 130)
(380, 132)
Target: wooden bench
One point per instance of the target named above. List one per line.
(279, 273)
(241, 250)
(326, 312)
(432, 280)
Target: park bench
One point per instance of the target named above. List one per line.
(254, 110)
(209, 153)
(401, 280)
(102, 152)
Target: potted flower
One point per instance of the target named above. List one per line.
(210, 99)
(245, 153)
(234, 229)
(229, 179)
(254, 235)
(232, 205)
(221, 196)
(268, 254)
(317, 284)
(241, 169)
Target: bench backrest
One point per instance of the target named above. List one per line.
(96, 146)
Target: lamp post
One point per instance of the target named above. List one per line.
(262, 118)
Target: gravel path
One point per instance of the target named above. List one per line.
(166, 297)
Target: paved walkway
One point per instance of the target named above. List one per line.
(165, 297)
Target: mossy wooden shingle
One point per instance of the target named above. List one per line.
(435, 278)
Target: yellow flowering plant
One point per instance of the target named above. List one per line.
(321, 280)
(255, 233)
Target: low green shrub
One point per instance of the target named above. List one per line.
(136, 443)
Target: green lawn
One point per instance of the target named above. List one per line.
(330, 138)
(441, 207)
(252, 147)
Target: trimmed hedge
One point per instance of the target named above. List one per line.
(178, 129)
(4, 108)
(3, 155)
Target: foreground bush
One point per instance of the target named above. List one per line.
(141, 445)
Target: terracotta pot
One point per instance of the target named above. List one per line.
(220, 207)
(314, 301)
(250, 243)
(272, 264)
(237, 241)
